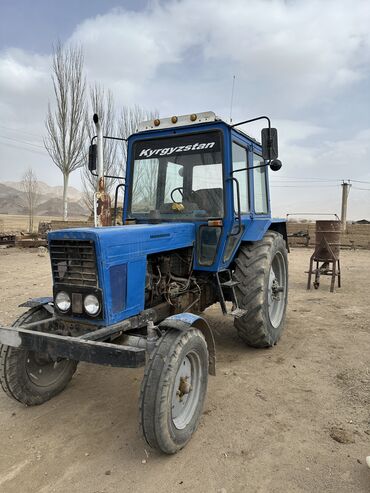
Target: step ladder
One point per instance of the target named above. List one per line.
(226, 284)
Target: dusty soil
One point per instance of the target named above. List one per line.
(294, 418)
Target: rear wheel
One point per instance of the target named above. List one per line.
(173, 390)
(261, 269)
(29, 377)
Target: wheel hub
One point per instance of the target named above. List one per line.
(277, 290)
(186, 390)
(42, 370)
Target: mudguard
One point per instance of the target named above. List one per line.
(33, 302)
(46, 302)
(186, 321)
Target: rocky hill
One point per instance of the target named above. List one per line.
(50, 204)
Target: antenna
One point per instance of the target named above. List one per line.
(232, 99)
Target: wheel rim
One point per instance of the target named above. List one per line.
(43, 371)
(277, 290)
(186, 390)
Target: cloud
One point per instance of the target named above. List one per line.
(310, 180)
(299, 50)
(295, 61)
(24, 87)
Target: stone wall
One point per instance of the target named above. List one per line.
(356, 236)
(55, 225)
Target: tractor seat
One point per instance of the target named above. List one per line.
(210, 200)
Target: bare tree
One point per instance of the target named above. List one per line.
(65, 141)
(129, 121)
(145, 177)
(101, 102)
(31, 197)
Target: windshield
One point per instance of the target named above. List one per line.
(178, 178)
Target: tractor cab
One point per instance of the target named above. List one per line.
(197, 168)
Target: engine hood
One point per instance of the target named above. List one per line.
(121, 256)
(129, 242)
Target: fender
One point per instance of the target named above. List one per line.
(279, 225)
(46, 302)
(187, 321)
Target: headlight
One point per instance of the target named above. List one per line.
(63, 301)
(91, 304)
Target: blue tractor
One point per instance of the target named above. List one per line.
(196, 230)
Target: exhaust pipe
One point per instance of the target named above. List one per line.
(100, 162)
(102, 201)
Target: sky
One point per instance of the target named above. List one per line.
(304, 63)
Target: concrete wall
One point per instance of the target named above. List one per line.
(55, 225)
(357, 235)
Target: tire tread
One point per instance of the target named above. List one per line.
(251, 266)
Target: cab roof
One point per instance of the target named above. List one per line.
(185, 121)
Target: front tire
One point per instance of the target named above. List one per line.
(261, 268)
(174, 389)
(29, 377)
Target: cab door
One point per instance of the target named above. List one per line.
(218, 239)
(241, 180)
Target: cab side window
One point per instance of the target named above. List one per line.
(260, 186)
(240, 161)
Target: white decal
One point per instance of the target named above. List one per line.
(168, 151)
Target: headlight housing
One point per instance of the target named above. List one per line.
(63, 301)
(91, 305)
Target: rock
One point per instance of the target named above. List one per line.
(341, 436)
(108, 473)
(143, 461)
(42, 251)
(368, 461)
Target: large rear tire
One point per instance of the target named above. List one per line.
(29, 377)
(261, 268)
(173, 390)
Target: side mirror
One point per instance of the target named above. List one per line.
(269, 138)
(92, 157)
(275, 165)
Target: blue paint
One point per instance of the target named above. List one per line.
(128, 245)
(122, 250)
(118, 281)
(187, 318)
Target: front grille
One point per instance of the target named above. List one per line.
(74, 262)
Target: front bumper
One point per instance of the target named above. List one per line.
(73, 348)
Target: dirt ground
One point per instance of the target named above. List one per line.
(295, 418)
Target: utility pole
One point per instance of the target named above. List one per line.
(346, 185)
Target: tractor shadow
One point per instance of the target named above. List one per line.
(229, 346)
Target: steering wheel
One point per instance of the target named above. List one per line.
(180, 190)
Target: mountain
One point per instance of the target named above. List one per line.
(48, 190)
(50, 204)
(54, 207)
(11, 200)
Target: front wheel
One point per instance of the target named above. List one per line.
(261, 269)
(173, 390)
(29, 377)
